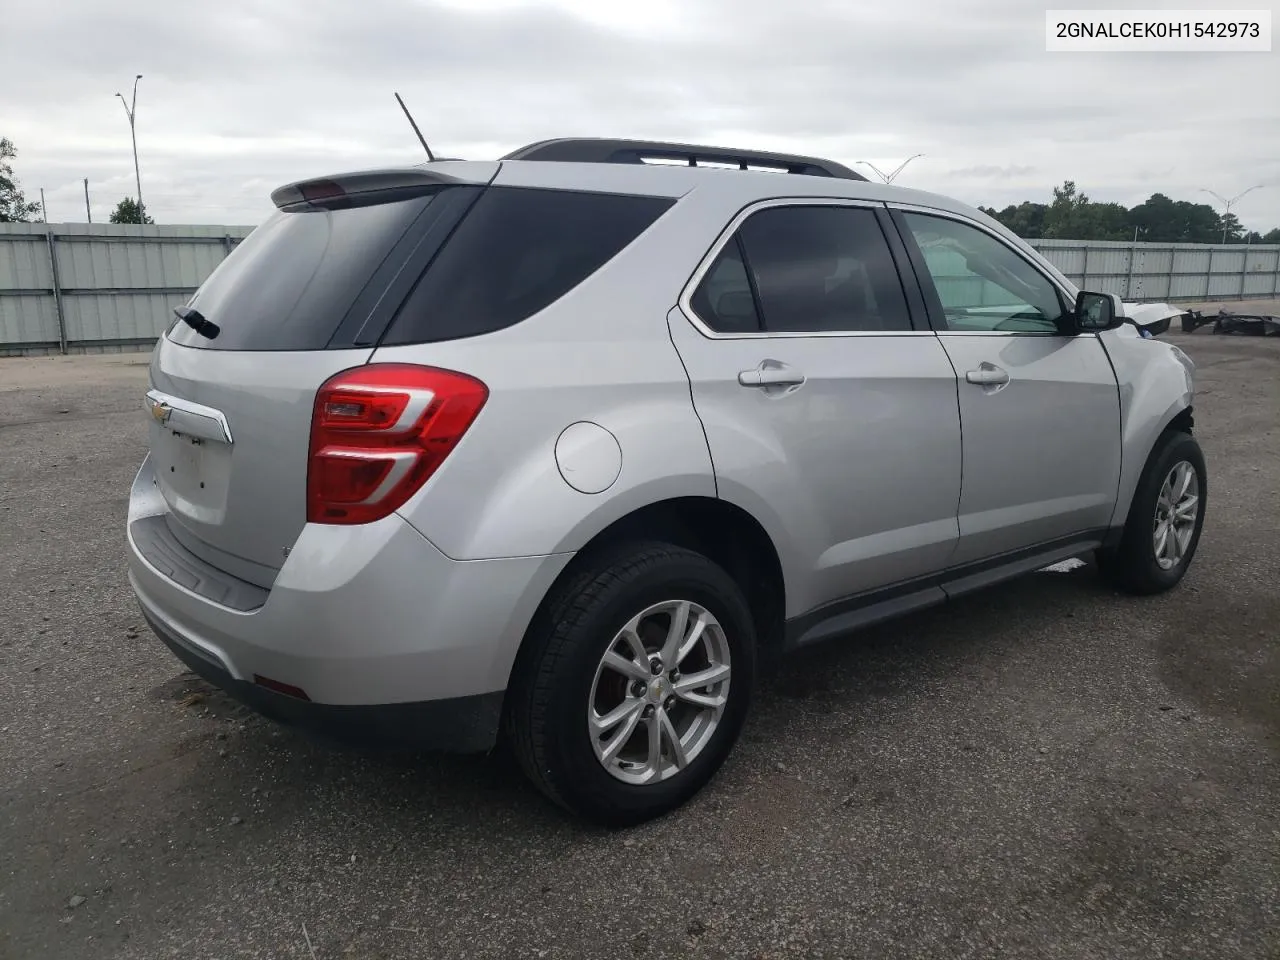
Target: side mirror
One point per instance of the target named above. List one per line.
(1098, 311)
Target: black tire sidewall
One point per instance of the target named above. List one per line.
(1137, 556)
(570, 761)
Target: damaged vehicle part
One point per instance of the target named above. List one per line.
(1233, 324)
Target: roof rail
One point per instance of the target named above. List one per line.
(585, 150)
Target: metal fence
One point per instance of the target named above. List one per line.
(97, 288)
(1168, 271)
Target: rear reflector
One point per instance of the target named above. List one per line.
(379, 432)
(288, 689)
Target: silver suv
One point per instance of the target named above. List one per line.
(555, 448)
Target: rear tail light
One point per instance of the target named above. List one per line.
(379, 432)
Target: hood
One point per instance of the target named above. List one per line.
(1146, 314)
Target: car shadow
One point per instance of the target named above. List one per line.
(489, 791)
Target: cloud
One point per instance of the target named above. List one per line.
(244, 95)
(987, 172)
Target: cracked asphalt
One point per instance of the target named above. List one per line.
(1044, 770)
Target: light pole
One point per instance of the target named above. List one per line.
(1228, 204)
(890, 177)
(131, 110)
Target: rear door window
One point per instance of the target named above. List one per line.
(821, 269)
(724, 299)
(804, 269)
(289, 285)
(517, 251)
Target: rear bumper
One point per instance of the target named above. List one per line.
(458, 724)
(385, 634)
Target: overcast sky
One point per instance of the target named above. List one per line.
(240, 96)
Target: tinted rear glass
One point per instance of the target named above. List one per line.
(823, 269)
(517, 251)
(724, 299)
(290, 283)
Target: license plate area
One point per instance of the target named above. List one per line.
(193, 473)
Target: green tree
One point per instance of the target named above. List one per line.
(1108, 221)
(1065, 216)
(1026, 219)
(1158, 219)
(1202, 224)
(1072, 216)
(127, 211)
(1167, 221)
(1230, 225)
(1155, 217)
(14, 207)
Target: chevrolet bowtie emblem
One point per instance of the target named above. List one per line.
(160, 411)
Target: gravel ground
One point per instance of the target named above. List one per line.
(1043, 770)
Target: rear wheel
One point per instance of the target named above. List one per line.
(634, 683)
(1163, 528)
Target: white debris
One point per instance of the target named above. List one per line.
(1064, 566)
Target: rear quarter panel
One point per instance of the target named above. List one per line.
(601, 354)
(501, 492)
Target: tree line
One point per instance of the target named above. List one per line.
(1158, 219)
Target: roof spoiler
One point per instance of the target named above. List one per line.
(400, 180)
(577, 150)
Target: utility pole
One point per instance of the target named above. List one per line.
(44, 211)
(1228, 204)
(131, 110)
(87, 211)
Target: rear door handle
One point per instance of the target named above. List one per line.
(987, 375)
(771, 373)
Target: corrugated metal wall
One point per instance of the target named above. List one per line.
(1163, 271)
(92, 288)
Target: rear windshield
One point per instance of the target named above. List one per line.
(290, 283)
(517, 251)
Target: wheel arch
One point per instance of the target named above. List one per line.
(1180, 418)
(1157, 393)
(723, 532)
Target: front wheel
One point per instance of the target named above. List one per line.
(1163, 528)
(634, 683)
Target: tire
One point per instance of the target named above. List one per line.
(559, 682)
(1134, 566)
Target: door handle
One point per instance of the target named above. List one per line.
(987, 375)
(771, 373)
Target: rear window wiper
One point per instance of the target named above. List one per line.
(194, 319)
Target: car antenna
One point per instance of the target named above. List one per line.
(421, 138)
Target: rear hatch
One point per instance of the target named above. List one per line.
(234, 379)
